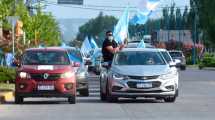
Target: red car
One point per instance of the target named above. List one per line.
(45, 72)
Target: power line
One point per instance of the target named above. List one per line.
(108, 8)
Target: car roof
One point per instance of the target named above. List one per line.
(175, 51)
(46, 49)
(162, 49)
(141, 49)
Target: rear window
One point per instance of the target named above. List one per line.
(175, 54)
(45, 58)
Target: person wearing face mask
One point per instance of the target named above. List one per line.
(110, 47)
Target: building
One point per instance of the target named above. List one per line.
(184, 36)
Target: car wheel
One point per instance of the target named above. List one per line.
(183, 67)
(72, 100)
(103, 96)
(19, 99)
(111, 98)
(84, 92)
(170, 99)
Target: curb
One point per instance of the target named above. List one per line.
(6, 96)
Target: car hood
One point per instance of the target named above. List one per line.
(46, 68)
(141, 70)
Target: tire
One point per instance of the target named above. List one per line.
(19, 99)
(84, 92)
(183, 67)
(72, 100)
(110, 98)
(200, 67)
(103, 96)
(170, 99)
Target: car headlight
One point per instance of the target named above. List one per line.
(67, 75)
(24, 75)
(117, 76)
(169, 75)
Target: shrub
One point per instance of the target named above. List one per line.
(7, 74)
(207, 61)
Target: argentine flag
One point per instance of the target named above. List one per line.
(146, 7)
(93, 43)
(86, 47)
(121, 29)
(141, 44)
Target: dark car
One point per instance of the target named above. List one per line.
(45, 72)
(179, 58)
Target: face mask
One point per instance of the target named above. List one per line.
(110, 38)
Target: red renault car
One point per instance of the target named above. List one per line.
(45, 72)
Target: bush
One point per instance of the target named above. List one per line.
(207, 61)
(7, 74)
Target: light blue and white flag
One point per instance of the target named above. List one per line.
(146, 7)
(93, 43)
(63, 45)
(141, 44)
(141, 17)
(121, 29)
(149, 5)
(86, 47)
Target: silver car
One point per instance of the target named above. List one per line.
(81, 70)
(139, 72)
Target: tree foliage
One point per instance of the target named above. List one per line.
(205, 12)
(96, 28)
(41, 26)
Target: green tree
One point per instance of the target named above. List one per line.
(97, 27)
(44, 24)
(205, 12)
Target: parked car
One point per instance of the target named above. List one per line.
(81, 70)
(179, 58)
(45, 72)
(139, 72)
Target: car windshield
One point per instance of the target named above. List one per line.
(138, 58)
(45, 58)
(166, 56)
(175, 54)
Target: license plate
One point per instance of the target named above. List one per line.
(144, 85)
(45, 87)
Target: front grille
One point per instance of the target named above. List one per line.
(40, 76)
(144, 77)
(133, 84)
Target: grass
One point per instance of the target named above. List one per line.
(193, 66)
(7, 87)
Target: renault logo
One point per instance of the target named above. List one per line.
(45, 76)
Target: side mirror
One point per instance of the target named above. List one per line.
(172, 64)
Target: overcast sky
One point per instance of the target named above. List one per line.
(66, 11)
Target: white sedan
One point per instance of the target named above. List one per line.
(139, 72)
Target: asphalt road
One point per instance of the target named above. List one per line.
(196, 102)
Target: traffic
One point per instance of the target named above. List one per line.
(63, 72)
